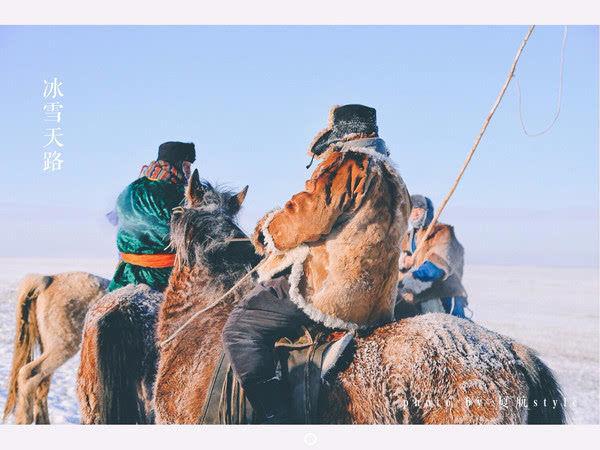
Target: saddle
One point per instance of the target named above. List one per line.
(304, 364)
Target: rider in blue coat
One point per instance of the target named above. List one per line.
(431, 279)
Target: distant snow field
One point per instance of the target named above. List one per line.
(552, 310)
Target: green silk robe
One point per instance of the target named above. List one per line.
(144, 212)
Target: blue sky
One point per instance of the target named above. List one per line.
(252, 98)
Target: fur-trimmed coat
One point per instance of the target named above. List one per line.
(341, 237)
(442, 249)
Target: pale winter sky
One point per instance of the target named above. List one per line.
(252, 98)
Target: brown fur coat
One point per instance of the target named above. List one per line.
(341, 236)
(442, 249)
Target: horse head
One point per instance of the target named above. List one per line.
(204, 230)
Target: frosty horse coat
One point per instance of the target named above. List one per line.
(50, 314)
(118, 357)
(432, 369)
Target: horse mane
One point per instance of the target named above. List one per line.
(202, 235)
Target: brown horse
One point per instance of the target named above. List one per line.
(118, 357)
(50, 314)
(431, 369)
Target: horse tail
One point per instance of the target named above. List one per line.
(26, 334)
(546, 403)
(120, 353)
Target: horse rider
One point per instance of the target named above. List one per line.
(430, 278)
(331, 255)
(143, 213)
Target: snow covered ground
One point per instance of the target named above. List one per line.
(554, 311)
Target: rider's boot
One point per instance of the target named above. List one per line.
(270, 398)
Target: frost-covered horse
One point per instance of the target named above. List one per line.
(118, 357)
(50, 314)
(118, 354)
(431, 369)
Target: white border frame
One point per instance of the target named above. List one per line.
(314, 12)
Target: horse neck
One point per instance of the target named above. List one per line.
(195, 286)
(194, 289)
(187, 364)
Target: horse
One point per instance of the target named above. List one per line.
(50, 315)
(429, 369)
(118, 357)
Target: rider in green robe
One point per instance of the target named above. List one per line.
(143, 212)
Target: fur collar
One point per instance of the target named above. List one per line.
(269, 242)
(369, 146)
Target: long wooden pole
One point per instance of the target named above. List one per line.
(444, 202)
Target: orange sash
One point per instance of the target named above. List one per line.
(156, 261)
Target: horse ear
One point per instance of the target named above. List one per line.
(237, 200)
(195, 191)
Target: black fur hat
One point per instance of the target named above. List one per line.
(177, 152)
(344, 121)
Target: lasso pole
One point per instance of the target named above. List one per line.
(444, 202)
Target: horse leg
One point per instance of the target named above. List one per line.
(40, 410)
(30, 377)
(26, 385)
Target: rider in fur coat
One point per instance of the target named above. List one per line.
(338, 244)
(431, 278)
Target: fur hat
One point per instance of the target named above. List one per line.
(420, 201)
(345, 121)
(177, 152)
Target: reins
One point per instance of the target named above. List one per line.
(214, 303)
